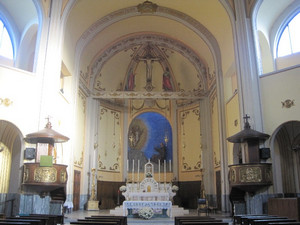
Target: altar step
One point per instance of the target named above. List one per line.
(176, 211)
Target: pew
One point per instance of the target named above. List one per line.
(177, 219)
(237, 219)
(15, 223)
(123, 219)
(94, 222)
(53, 219)
(266, 222)
(44, 220)
(285, 223)
(30, 221)
(197, 222)
(247, 219)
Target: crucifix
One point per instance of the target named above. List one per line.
(148, 60)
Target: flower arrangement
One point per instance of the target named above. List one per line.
(123, 188)
(146, 213)
(175, 188)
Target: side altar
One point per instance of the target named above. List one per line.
(148, 193)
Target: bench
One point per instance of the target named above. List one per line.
(284, 223)
(177, 219)
(197, 222)
(43, 220)
(266, 222)
(123, 219)
(247, 219)
(53, 219)
(15, 223)
(237, 218)
(30, 221)
(94, 222)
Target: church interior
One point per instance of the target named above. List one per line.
(105, 103)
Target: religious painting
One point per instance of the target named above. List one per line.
(150, 138)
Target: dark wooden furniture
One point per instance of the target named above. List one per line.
(289, 207)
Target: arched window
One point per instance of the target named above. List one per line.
(289, 39)
(6, 48)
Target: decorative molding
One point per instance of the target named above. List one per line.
(288, 103)
(149, 95)
(147, 7)
(5, 101)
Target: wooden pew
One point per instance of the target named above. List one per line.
(94, 222)
(266, 222)
(246, 219)
(53, 219)
(237, 218)
(285, 223)
(177, 219)
(15, 223)
(197, 222)
(30, 221)
(123, 219)
(118, 221)
(44, 220)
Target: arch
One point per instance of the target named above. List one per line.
(286, 159)
(11, 138)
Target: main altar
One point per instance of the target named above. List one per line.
(148, 193)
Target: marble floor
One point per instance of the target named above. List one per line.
(80, 214)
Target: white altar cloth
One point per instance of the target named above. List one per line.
(148, 196)
(167, 205)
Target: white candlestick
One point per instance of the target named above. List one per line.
(138, 179)
(165, 171)
(159, 171)
(133, 171)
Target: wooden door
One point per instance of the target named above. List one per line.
(76, 190)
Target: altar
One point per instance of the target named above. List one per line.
(148, 193)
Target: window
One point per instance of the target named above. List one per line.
(289, 40)
(6, 49)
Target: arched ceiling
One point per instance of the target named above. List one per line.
(116, 33)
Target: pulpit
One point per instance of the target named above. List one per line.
(44, 176)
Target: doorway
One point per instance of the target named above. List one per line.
(76, 190)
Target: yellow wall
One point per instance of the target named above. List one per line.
(110, 148)
(232, 123)
(189, 144)
(275, 89)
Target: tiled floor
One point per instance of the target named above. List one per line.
(73, 216)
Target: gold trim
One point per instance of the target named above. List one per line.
(45, 174)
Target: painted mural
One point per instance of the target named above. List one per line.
(150, 138)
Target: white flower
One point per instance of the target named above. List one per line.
(146, 213)
(175, 188)
(123, 188)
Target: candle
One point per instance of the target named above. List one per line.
(170, 165)
(127, 165)
(165, 171)
(138, 179)
(133, 171)
(159, 171)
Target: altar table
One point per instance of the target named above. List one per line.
(155, 205)
(148, 196)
